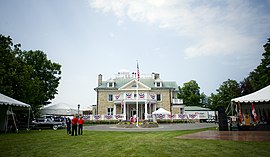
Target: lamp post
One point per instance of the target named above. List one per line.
(78, 110)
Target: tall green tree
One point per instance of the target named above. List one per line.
(228, 90)
(28, 76)
(260, 77)
(190, 93)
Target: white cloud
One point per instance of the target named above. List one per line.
(215, 28)
(112, 35)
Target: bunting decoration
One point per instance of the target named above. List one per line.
(192, 116)
(152, 96)
(97, 117)
(128, 95)
(182, 116)
(117, 116)
(141, 95)
(108, 116)
(117, 97)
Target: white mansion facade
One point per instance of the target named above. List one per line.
(119, 96)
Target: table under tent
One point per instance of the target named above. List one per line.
(252, 109)
(7, 116)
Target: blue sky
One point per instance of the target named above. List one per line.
(208, 41)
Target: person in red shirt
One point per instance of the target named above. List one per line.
(74, 126)
(80, 122)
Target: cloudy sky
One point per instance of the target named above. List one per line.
(207, 41)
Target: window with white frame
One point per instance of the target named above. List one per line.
(110, 97)
(181, 111)
(110, 84)
(158, 84)
(158, 97)
(109, 111)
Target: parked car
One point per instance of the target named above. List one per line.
(47, 123)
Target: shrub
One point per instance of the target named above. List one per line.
(101, 122)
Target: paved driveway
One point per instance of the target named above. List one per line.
(162, 127)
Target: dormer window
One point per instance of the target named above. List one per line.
(110, 83)
(158, 83)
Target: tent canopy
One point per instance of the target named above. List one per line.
(6, 109)
(262, 95)
(161, 111)
(58, 109)
(5, 100)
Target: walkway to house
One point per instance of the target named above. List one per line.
(162, 127)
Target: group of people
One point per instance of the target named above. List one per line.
(74, 123)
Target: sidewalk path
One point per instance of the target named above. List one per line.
(162, 127)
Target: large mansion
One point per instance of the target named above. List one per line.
(120, 95)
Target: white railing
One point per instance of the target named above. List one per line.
(177, 101)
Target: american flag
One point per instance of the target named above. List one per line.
(138, 72)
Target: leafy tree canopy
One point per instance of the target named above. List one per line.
(260, 77)
(228, 90)
(190, 93)
(28, 76)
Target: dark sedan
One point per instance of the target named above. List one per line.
(42, 123)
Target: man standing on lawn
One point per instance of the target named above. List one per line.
(74, 125)
(80, 122)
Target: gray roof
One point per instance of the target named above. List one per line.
(119, 82)
(196, 108)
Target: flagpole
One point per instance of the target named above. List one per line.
(137, 95)
(137, 106)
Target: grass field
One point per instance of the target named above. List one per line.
(104, 143)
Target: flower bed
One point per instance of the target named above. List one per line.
(126, 124)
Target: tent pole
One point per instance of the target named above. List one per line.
(28, 119)
(232, 108)
(14, 120)
(6, 122)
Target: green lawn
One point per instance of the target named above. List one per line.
(104, 143)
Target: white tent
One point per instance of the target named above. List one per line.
(261, 101)
(262, 95)
(7, 105)
(161, 111)
(5, 100)
(58, 109)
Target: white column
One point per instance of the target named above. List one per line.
(125, 111)
(145, 115)
(114, 109)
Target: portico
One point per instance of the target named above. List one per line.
(127, 108)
